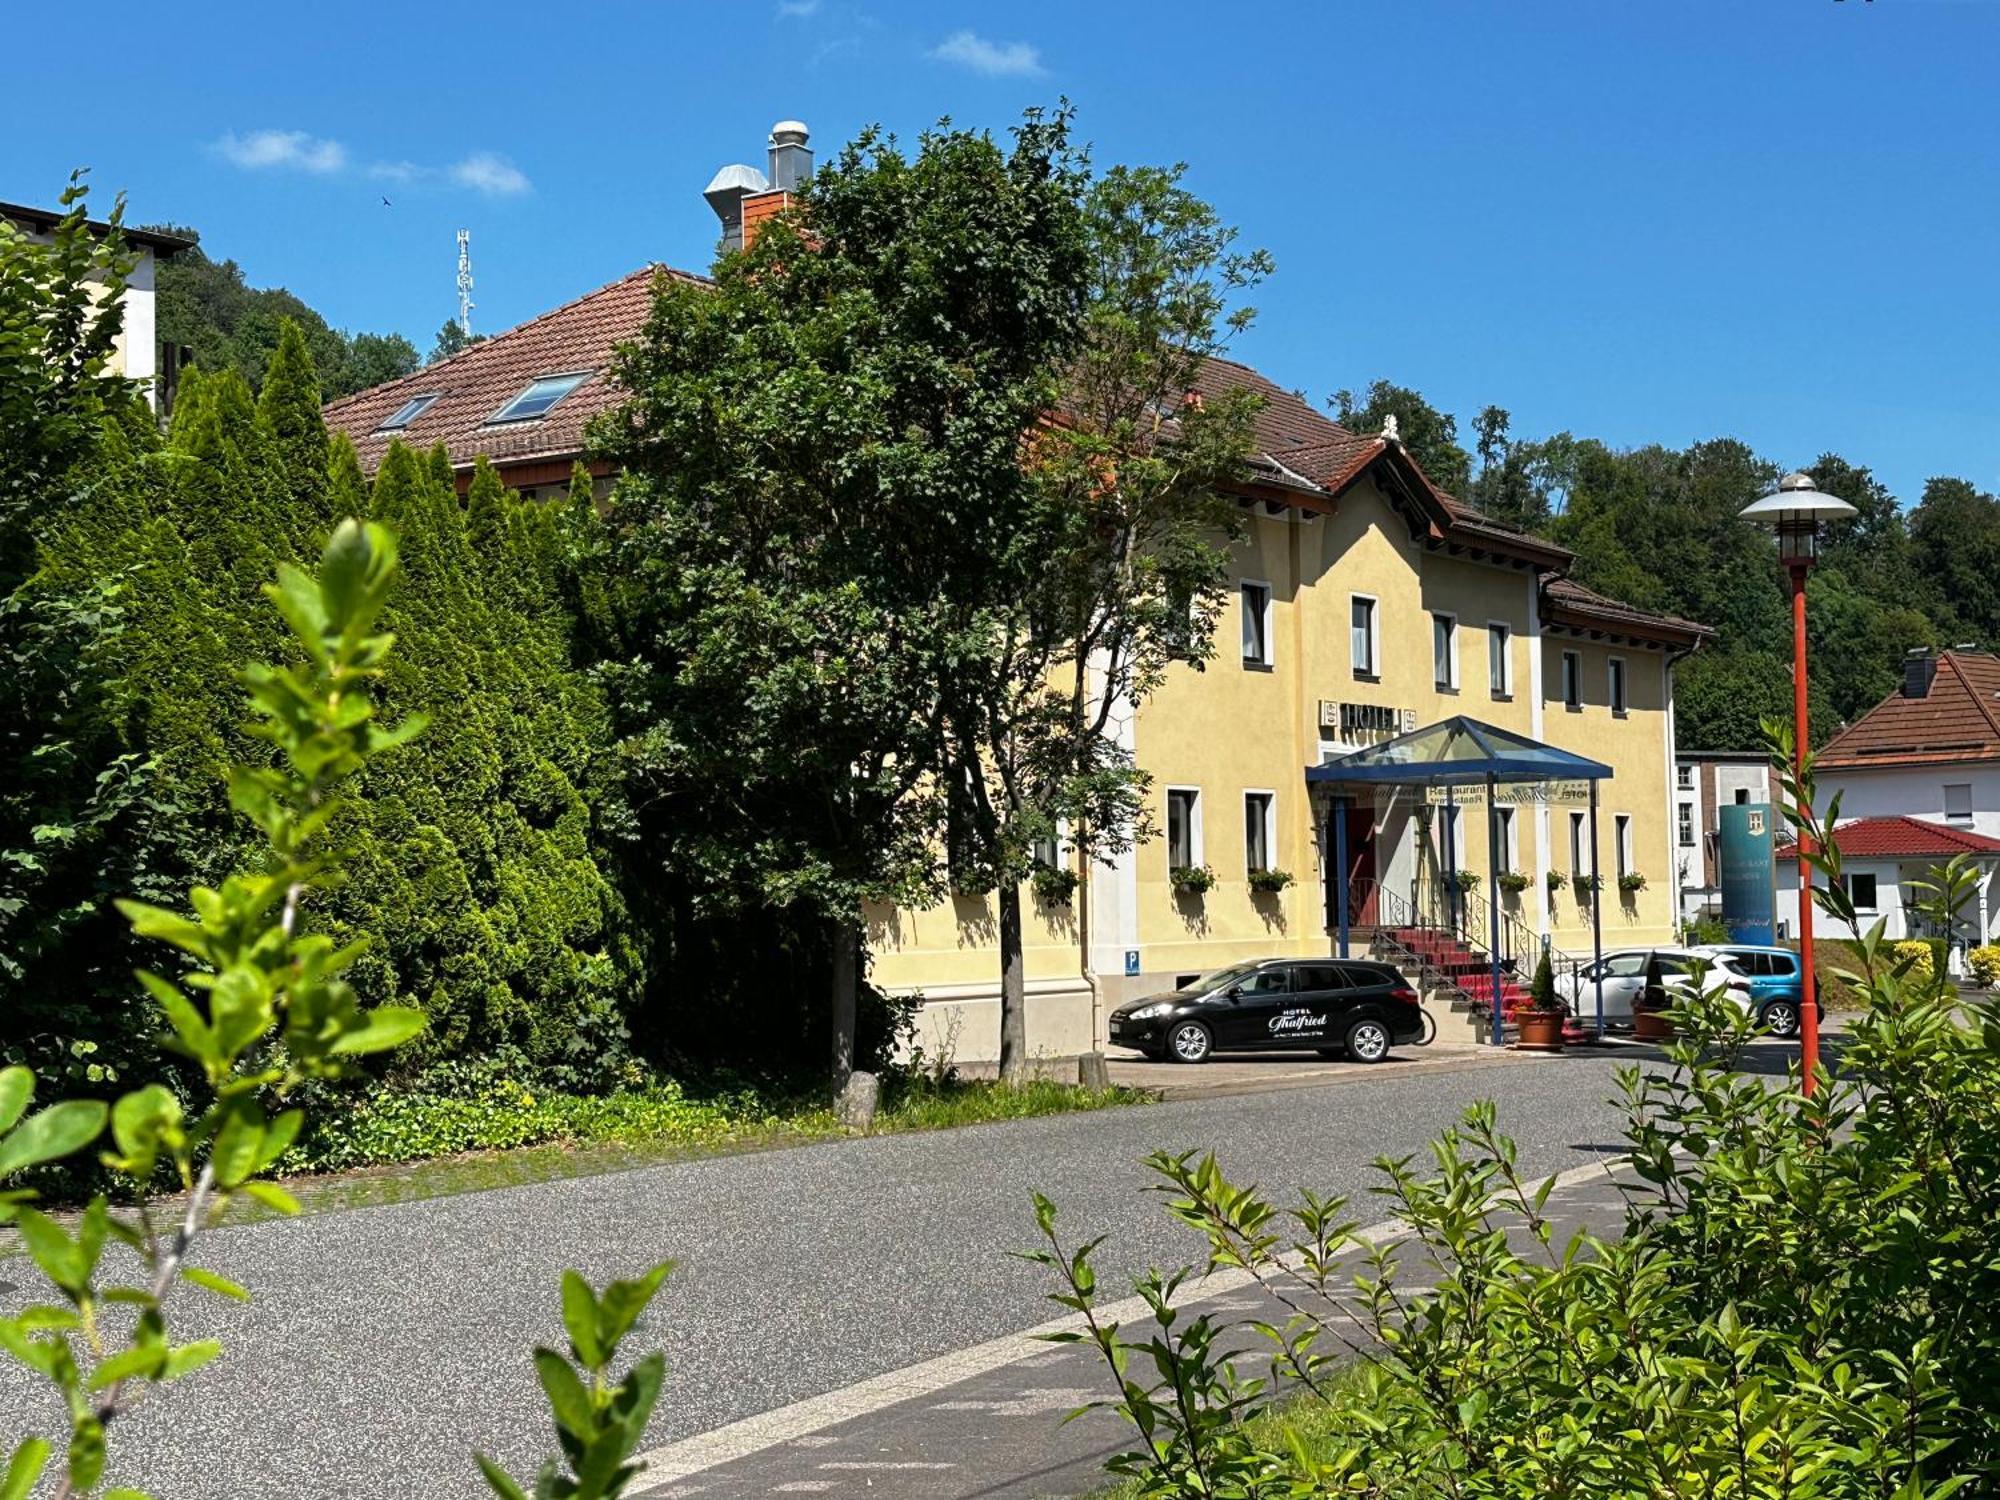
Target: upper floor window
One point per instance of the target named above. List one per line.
(1444, 652)
(1572, 680)
(541, 394)
(1684, 778)
(1183, 827)
(1361, 637)
(408, 412)
(1958, 802)
(1256, 610)
(1499, 670)
(1617, 683)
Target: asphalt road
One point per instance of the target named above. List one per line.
(386, 1344)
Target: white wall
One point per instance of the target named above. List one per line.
(1914, 792)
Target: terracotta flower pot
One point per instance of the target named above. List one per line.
(1651, 1026)
(1540, 1030)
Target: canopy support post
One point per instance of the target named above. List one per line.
(1447, 817)
(1596, 914)
(1493, 903)
(1339, 872)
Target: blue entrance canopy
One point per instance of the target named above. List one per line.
(1455, 752)
(1460, 752)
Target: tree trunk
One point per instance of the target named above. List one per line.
(1013, 986)
(846, 937)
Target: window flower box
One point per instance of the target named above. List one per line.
(1269, 882)
(1191, 880)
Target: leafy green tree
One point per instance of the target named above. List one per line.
(451, 338)
(1430, 435)
(205, 305)
(1955, 536)
(821, 460)
(1117, 568)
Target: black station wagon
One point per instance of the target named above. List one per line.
(1332, 1006)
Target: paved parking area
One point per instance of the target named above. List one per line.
(1257, 1072)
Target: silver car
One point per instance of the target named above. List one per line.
(1625, 977)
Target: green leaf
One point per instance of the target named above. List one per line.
(579, 1308)
(385, 1026)
(17, 1087)
(622, 1302)
(24, 1469)
(52, 1133)
(239, 1143)
(222, 1286)
(190, 1357)
(496, 1478)
(52, 1250)
(568, 1400)
(143, 1363)
(273, 1197)
(86, 1454)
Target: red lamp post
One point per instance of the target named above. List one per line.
(1796, 512)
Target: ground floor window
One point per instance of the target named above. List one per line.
(1621, 833)
(1860, 890)
(1183, 827)
(1259, 830)
(1578, 865)
(1503, 828)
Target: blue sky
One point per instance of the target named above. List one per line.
(1778, 220)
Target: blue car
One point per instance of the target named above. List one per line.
(1776, 988)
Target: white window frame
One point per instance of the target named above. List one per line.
(1617, 681)
(1196, 845)
(1500, 632)
(1959, 819)
(1684, 778)
(1621, 842)
(1243, 588)
(1508, 852)
(416, 406)
(1270, 797)
(1571, 681)
(1847, 879)
(1684, 824)
(1445, 680)
(1579, 838)
(1373, 666)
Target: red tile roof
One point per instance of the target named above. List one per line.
(1957, 720)
(1902, 838)
(1567, 602)
(1301, 449)
(478, 381)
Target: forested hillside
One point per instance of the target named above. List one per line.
(1658, 527)
(207, 306)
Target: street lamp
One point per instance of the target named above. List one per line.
(1796, 512)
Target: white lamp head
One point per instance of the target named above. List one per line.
(1796, 512)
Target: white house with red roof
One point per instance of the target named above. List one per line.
(1918, 777)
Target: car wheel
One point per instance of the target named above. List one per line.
(1189, 1042)
(1781, 1019)
(1368, 1041)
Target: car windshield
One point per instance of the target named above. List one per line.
(1217, 978)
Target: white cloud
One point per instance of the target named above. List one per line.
(995, 59)
(797, 10)
(490, 174)
(400, 171)
(292, 149)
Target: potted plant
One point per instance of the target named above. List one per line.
(1463, 881)
(1269, 882)
(1555, 883)
(1540, 1021)
(1631, 882)
(1191, 880)
(1513, 882)
(1649, 1008)
(1053, 886)
(1584, 885)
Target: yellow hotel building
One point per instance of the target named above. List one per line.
(1366, 603)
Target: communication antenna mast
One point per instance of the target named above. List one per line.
(465, 282)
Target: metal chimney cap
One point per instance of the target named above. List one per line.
(790, 133)
(737, 178)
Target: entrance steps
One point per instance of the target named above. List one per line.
(1455, 980)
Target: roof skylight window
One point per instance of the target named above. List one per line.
(541, 394)
(408, 412)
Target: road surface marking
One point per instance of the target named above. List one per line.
(667, 1466)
